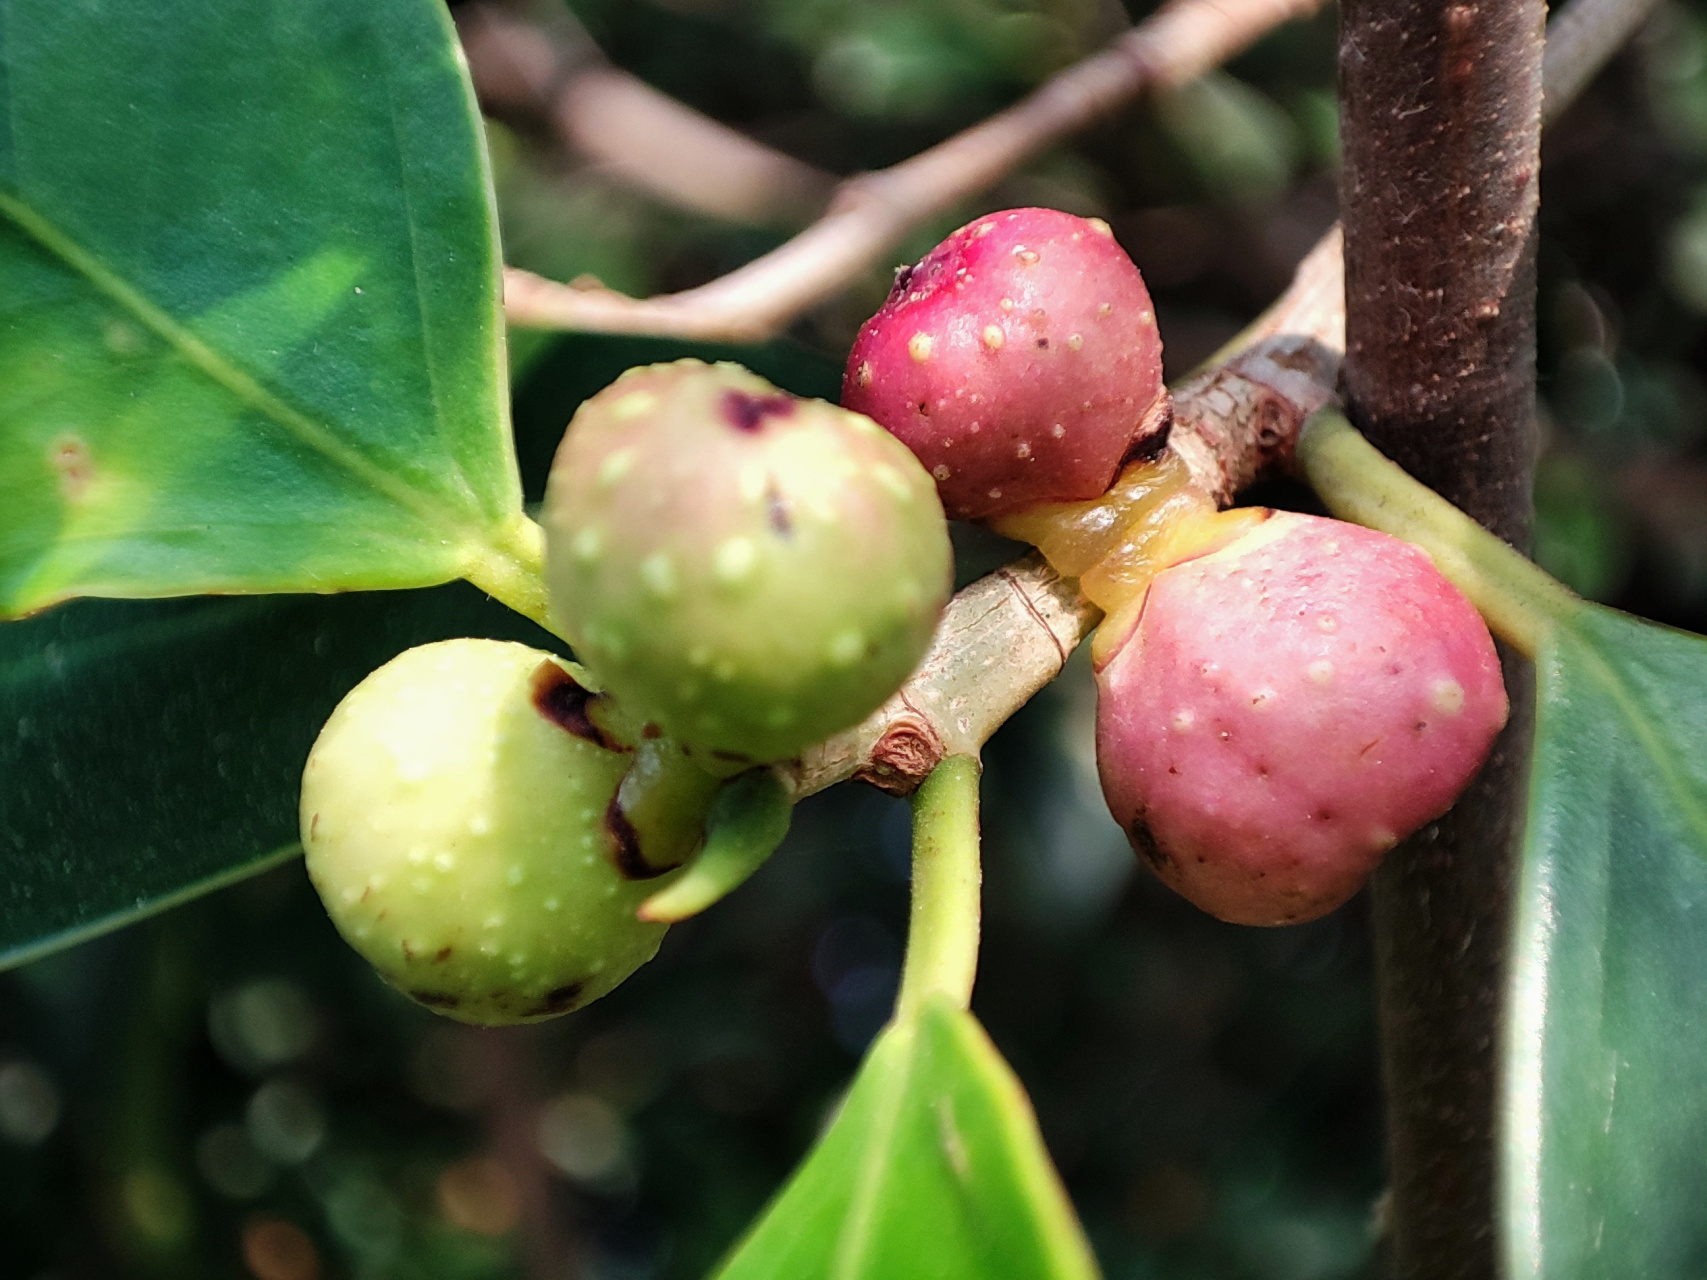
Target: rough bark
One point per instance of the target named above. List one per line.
(1441, 117)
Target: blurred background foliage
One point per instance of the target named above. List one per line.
(228, 1091)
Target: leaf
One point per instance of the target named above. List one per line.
(152, 751)
(1606, 1078)
(249, 321)
(933, 1168)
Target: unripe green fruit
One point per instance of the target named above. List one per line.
(455, 817)
(750, 571)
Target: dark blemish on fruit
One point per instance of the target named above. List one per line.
(408, 951)
(1173, 769)
(626, 855)
(733, 757)
(314, 826)
(1146, 448)
(1202, 858)
(366, 889)
(777, 511)
(651, 731)
(436, 999)
(1324, 815)
(441, 955)
(747, 412)
(1368, 747)
(1262, 771)
(558, 1000)
(1043, 344)
(1419, 726)
(1146, 846)
(560, 699)
(903, 277)
(924, 409)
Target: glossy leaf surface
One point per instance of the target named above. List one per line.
(249, 327)
(150, 751)
(934, 1168)
(1606, 1084)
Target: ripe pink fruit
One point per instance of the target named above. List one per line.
(1287, 708)
(1019, 360)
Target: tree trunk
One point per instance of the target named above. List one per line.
(1441, 118)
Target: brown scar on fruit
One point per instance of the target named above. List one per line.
(777, 511)
(1146, 845)
(440, 956)
(558, 1000)
(69, 456)
(314, 826)
(626, 854)
(747, 412)
(436, 999)
(561, 699)
(1151, 435)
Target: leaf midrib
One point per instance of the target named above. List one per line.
(1604, 674)
(220, 370)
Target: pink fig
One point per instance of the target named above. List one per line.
(1288, 708)
(1019, 360)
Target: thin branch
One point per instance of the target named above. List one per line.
(1007, 635)
(549, 70)
(871, 214)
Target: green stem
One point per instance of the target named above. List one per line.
(511, 569)
(1518, 599)
(942, 936)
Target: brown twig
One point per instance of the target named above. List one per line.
(548, 70)
(872, 213)
(1007, 635)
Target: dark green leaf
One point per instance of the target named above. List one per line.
(249, 329)
(1606, 1082)
(152, 751)
(933, 1168)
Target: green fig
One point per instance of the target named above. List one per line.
(460, 823)
(749, 570)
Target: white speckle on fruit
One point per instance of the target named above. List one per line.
(732, 563)
(479, 824)
(1321, 671)
(1022, 449)
(1075, 341)
(863, 374)
(444, 860)
(1104, 309)
(845, 648)
(994, 337)
(995, 494)
(1183, 719)
(1057, 431)
(919, 347)
(1327, 624)
(615, 467)
(586, 545)
(658, 574)
(1100, 227)
(516, 875)
(1447, 696)
(1146, 317)
(1006, 304)
(1027, 257)
(633, 405)
(941, 471)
